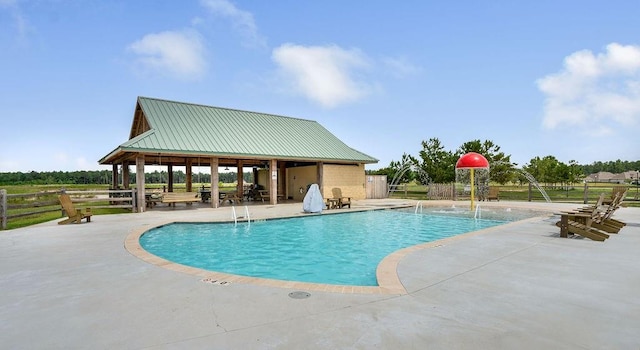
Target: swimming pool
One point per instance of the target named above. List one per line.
(342, 249)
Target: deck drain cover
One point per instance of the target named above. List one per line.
(215, 281)
(299, 295)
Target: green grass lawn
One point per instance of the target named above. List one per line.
(48, 193)
(574, 194)
(47, 200)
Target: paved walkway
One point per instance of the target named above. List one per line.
(515, 286)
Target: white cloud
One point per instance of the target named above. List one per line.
(20, 22)
(324, 74)
(596, 93)
(180, 54)
(242, 21)
(400, 67)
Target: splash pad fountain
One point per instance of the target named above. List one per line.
(472, 161)
(532, 180)
(404, 168)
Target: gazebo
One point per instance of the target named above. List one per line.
(286, 154)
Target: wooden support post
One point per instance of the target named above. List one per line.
(215, 178)
(3, 208)
(188, 180)
(170, 180)
(530, 192)
(240, 175)
(126, 179)
(273, 184)
(282, 185)
(255, 176)
(320, 172)
(141, 200)
(114, 176)
(586, 193)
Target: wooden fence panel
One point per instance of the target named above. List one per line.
(440, 191)
(376, 186)
(402, 188)
(14, 206)
(3, 209)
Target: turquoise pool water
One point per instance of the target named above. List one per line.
(333, 249)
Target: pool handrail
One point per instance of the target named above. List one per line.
(233, 213)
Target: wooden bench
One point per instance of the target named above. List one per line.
(172, 198)
(265, 196)
(231, 197)
(494, 193)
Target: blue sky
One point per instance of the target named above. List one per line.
(537, 78)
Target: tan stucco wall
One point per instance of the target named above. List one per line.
(263, 178)
(300, 177)
(350, 179)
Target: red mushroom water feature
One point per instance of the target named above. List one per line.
(472, 161)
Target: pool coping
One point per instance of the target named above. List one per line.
(386, 272)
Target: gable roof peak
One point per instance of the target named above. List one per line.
(173, 127)
(222, 108)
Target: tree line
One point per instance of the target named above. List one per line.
(103, 177)
(435, 164)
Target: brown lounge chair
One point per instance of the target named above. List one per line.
(602, 218)
(580, 223)
(341, 201)
(75, 215)
(617, 191)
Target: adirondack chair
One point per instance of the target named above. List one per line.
(573, 223)
(602, 218)
(74, 215)
(606, 217)
(342, 201)
(616, 191)
(580, 223)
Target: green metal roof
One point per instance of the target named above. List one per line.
(185, 128)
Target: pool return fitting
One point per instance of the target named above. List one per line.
(418, 205)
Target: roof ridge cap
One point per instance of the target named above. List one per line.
(225, 108)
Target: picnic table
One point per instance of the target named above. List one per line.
(205, 195)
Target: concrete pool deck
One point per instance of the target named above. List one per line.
(514, 286)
